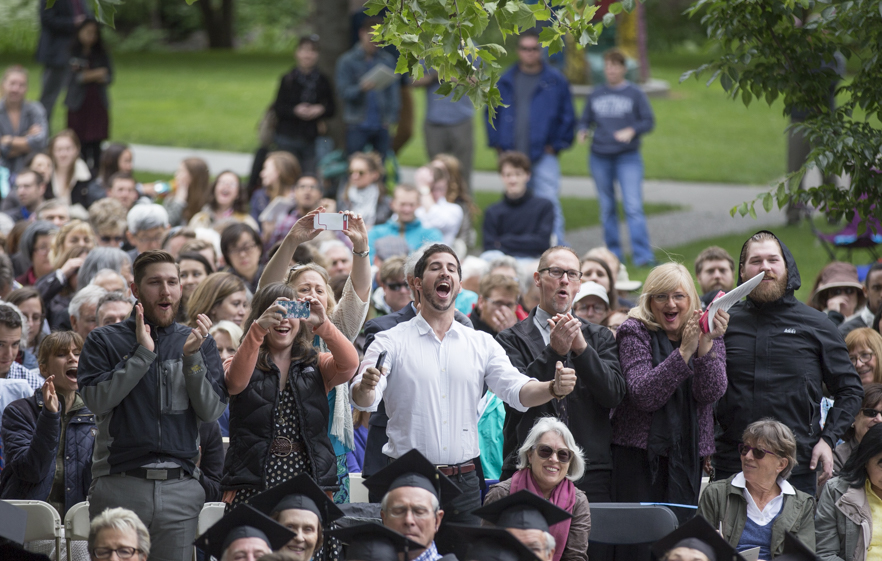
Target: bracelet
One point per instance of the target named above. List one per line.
(551, 391)
(361, 253)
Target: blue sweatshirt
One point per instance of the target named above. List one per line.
(519, 227)
(610, 109)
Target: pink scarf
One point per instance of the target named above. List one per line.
(563, 496)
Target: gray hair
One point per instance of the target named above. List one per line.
(331, 244)
(7, 318)
(546, 424)
(775, 435)
(121, 519)
(474, 267)
(436, 506)
(102, 258)
(90, 294)
(30, 235)
(504, 261)
(550, 543)
(108, 298)
(111, 272)
(146, 217)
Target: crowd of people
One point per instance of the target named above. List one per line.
(141, 324)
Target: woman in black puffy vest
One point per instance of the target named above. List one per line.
(278, 388)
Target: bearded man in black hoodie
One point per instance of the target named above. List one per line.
(779, 354)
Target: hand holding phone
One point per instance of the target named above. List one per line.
(293, 309)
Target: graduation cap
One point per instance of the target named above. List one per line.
(491, 544)
(243, 522)
(795, 550)
(698, 534)
(413, 470)
(373, 542)
(523, 510)
(299, 493)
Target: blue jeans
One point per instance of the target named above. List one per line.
(628, 169)
(358, 138)
(545, 183)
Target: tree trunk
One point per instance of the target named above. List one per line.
(332, 25)
(218, 23)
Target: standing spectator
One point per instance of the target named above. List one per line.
(23, 127)
(55, 212)
(194, 269)
(127, 377)
(48, 437)
(123, 188)
(674, 373)
(549, 336)
(273, 200)
(873, 292)
(116, 157)
(72, 181)
(148, 225)
(458, 192)
(448, 125)
(368, 111)
(227, 202)
(241, 248)
(838, 292)
(87, 100)
(538, 120)
(307, 198)
(305, 96)
(13, 333)
(35, 247)
(404, 223)
(365, 192)
(619, 113)
(521, 224)
(191, 191)
(435, 211)
(29, 190)
(58, 27)
(221, 296)
(801, 349)
(714, 271)
(497, 302)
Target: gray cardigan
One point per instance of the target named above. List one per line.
(32, 113)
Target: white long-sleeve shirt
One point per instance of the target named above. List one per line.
(443, 215)
(433, 388)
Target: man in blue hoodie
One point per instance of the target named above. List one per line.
(620, 113)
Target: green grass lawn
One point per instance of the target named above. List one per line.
(215, 99)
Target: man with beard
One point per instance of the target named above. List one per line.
(150, 383)
(434, 376)
(779, 354)
(714, 271)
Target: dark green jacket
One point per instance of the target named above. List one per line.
(723, 502)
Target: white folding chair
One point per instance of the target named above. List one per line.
(76, 524)
(210, 514)
(44, 523)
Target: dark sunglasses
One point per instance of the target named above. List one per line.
(396, 286)
(871, 413)
(758, 453)
(545, 452)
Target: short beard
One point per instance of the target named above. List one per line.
(150, 318)
(764, 294)
(430, 299)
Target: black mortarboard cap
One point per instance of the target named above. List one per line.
(13, 522)
(373, 542)
(413, 470)
(795, 550)
(698, 534)
(301, 493)
(523, 510)
(243, 522)
(491, 544)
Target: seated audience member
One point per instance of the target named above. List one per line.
(273, 200)
(591, 303)
(373, 541)
(695, 540)
(29, 190)
(838, 292)
(122, 187)
(221, 296)
(102, 258)
(242, 251)
(147, 226)
(615, 319)
(190, 191)
(307, 197)
(338, 257)
(873, 292)
(53, 211)
(118, 530)
(35, 247)
(674, 373)
(48, 437)
(849, 506)
(227, 202)
(497, 302)
(520, 224)
(113, 307)
(176, 237)
(597, 270)
(30, 130)
(393, 292)
(28, 300)
(365, 191)
(83, 309)
(111, 281)
(754, 508)
(204, 248)
(58, 288)
(549, 461)
(714, 271)
(194, 268)
(870, 414)
(434, 210)
(71, 181)
(108, 220)
(865, 351)
(404, 222)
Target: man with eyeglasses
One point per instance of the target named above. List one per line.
(780, 357)
(118, 532)
(552, 335)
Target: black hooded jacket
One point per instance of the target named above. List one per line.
(778, 356)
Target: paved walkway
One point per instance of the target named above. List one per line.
(705, 214)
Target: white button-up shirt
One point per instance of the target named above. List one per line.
(766, 515)
(432, 388)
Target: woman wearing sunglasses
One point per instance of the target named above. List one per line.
(548, 463)
(838, 292)
(754, 508)
(869, 415)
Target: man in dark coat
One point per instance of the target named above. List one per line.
(779, 355)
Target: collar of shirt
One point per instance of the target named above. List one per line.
(763, 517)
(424, 328)
(540, 320)
(430, 554)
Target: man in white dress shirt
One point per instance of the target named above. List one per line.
(434, 376)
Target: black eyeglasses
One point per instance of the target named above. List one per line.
(121, 552)
(758, 453)
(861, 357)
(871, 413)
(557, 273)
(544, 451)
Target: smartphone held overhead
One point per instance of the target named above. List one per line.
(331, 221)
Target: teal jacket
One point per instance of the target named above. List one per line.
(415, 234)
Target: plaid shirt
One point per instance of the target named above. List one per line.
(32, 377)
(430, 554)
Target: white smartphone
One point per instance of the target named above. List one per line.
(331, 221)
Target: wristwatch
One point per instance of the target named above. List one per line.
(361, 253)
